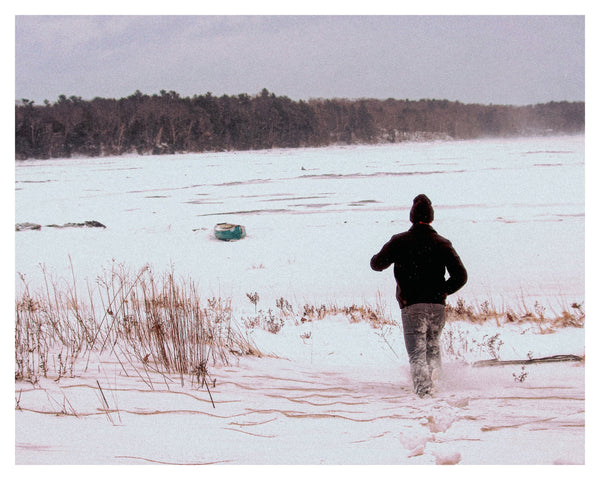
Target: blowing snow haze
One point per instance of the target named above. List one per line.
(516, 60)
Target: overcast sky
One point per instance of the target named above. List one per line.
(515, 60)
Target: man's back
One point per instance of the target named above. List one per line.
(421, 258)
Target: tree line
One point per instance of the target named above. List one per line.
(168, 123)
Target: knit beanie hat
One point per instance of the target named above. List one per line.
(421, 211)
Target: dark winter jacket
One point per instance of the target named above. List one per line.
(421, 258)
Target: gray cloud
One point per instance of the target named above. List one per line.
(490, 59)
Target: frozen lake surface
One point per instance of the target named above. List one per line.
(330, 391)
(513, 208)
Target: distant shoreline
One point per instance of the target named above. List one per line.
(169, 124)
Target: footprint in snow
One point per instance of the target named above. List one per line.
(447, 458)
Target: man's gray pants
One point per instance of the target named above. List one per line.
(423, 324)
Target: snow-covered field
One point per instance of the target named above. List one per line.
(332, 391)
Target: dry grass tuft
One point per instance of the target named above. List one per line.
(162, 323)
(274, 320)
(572, 316)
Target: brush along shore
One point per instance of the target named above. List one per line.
(163, 324)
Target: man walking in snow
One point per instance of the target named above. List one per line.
(421, 258)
